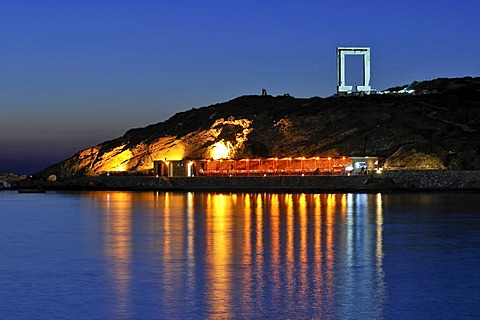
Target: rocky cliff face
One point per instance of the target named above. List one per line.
(437, 129)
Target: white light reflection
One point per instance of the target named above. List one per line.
(381, 286)
(363, 284)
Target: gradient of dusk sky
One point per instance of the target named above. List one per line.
(76, 73)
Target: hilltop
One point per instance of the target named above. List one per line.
(437, 128)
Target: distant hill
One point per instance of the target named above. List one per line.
(437, 128)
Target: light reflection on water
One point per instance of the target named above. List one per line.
(251, 254)
(118, 246)
(127, 255)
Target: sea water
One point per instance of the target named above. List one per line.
(155, 255)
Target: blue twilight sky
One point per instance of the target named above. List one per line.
(76, 73)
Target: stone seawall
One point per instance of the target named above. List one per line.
(388, 181)
(436, 179)
(273, 184)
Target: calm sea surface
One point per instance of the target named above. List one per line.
(132, 255)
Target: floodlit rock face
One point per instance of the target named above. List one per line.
(413, 160)
(223, 139)
(438, 129)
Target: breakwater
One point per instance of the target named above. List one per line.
(387, 181)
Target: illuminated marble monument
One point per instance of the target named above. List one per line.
(342, 88)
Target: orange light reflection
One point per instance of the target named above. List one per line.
(117, 245)
(330, 246)
(290, 246)
(259, 243)
(219, 253)
(275, 230)
(247, 250)
(302, 211)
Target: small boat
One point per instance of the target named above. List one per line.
(32, 191)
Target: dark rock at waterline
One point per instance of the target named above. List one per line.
(10, 180)
(382, 183)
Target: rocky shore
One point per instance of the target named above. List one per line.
(428, 131)
(388, 181)
(10, 180)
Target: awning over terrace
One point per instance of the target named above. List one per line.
(275, 166)
(256, 167)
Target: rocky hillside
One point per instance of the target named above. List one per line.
(437, 128)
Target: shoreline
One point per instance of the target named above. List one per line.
(387, 181)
